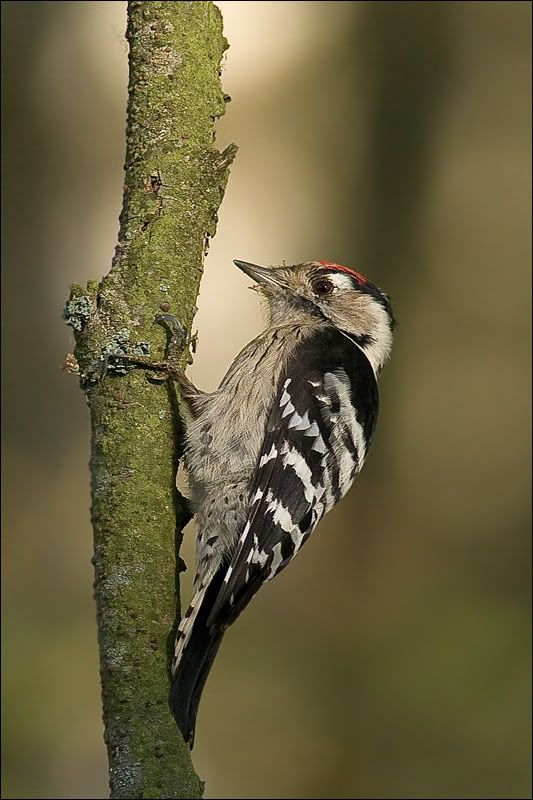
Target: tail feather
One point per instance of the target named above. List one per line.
(196, 647)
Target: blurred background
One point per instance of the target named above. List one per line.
(393, 659)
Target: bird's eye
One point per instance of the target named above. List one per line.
(322, 287)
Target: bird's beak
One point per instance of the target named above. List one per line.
(264, 276)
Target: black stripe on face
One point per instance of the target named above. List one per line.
(362, 286)
(363, 339)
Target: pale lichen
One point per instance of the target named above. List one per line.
(78, 311)
(120, 345)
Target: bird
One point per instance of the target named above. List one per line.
(275, 447)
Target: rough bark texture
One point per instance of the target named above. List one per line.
(174, 183)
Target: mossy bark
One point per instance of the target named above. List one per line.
(174, 183)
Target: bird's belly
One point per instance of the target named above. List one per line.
(223, 446)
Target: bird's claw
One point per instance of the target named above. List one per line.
(177, 337)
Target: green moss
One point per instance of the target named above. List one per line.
(174, 183)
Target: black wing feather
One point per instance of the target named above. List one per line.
(298, 476)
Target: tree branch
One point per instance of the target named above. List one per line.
(174, 184)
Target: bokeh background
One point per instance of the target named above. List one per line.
(393, 659)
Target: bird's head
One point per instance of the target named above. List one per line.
(330, 293)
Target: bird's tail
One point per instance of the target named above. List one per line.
(197, 644)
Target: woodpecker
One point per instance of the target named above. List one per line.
(275, 447)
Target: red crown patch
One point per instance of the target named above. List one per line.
(340, 268)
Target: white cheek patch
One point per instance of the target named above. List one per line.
(341, 281)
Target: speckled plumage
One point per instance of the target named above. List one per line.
(275, 447)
